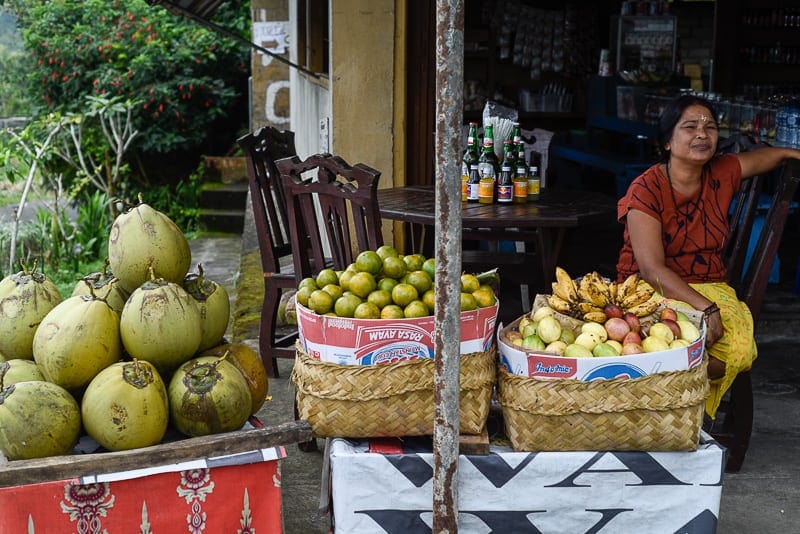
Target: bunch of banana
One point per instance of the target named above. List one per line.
(587, 299)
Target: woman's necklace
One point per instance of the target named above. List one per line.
(693, 205)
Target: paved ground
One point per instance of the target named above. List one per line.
(763, 498)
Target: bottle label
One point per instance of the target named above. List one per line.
(486, 170)
(505, 193)
(464, 188)
(472, 192)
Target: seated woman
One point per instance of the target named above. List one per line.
(676, 224)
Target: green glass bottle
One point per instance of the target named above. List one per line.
(471, 155)
(488, 165)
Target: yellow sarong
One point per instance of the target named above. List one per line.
(737, 346)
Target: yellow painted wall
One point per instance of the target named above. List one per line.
(368, 86)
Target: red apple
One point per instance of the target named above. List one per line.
(676, 330)
(617, 328)
(669, 313)
(632, 338)
(632, 348)
(633, 321)
(612, 310)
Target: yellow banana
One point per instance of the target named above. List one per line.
(595, 317)
(560, 293)
(559, 304)
(583, 290)
(602, 285)
(645, 308)
(637, 297)
(587, 307)
(642, 284)
(627, 287)
(566, 285)
(596, 293)
(613, 288)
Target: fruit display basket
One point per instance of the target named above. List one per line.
(656, 404)
(387, 400)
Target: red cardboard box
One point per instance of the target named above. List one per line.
(375, 341)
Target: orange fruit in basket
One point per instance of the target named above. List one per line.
(344, 279)
(429, 298)
(362, 284)
(468, 302)
(414, 261)
(303, 294)
(387, 283)
(345, 306)
(333, 290)
(415, 308)
(392, 311)
(367, 310)
(484, 296)
(394, 267)
(320, 301)
(327, 276)
(310, 282)
(380, 298)
(429, 266)
(403, 294)
(386, 251)
(368, 261)
(420, 280)
(469, 283)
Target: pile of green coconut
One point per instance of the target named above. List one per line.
(133, 350)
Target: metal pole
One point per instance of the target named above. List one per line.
(447, 332)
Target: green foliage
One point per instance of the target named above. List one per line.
(185, 77)
(179, 202)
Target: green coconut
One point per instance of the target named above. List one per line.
(14, 371)
(37, 419)
(214, 305)
(125, 406)
(76, 340)
(25, 299)
(208, 395)
(142, 238)
(161, 324)
(104, 285)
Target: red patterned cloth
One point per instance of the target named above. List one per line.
(231, 498)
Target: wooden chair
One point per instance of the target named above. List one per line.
(347, 199)
(262, 148)
(750, 286)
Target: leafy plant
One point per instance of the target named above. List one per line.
(185, 78)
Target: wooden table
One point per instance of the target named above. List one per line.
(543, 223)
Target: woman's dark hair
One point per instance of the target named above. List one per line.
(672, 114)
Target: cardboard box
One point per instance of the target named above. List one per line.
(375, 341)
(542, 364)
(508, 491)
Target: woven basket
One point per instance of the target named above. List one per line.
(657, 412)
(388, 400)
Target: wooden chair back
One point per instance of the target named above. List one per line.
(262, 149)
(346, 205)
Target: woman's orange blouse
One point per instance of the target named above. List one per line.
(694, 230)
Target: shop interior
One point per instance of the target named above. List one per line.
(596, 75)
